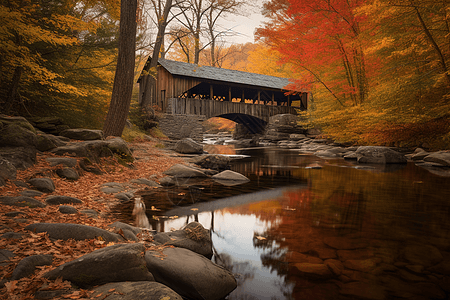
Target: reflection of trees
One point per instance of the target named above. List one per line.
(242, 271)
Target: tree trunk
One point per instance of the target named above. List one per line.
(124, 76)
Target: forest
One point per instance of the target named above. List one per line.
(377, 70)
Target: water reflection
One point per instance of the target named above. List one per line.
(332, 233)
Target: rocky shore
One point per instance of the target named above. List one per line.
(59, 238)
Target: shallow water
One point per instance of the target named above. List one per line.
(309, 228)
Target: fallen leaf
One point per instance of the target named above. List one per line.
(194, 209)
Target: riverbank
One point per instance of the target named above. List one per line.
(94, 210)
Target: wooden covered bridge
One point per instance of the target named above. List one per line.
(247, 98)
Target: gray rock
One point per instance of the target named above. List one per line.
(184, 171)
(297, 137)
(44, 185)
(12, 235)
(15, 135)
(68, 173)
(167, 181)
(65, 231)
(5, 255)
(212, 161)
(119, 146)
(89, 212)
(440, 157)
(31, 193)
(379, 155)
(82, 134)
(28, 265)
(419, 154)
(7, 169)
(124, 226)
(189, 274)
(313, 271)
(65, 161)
(188, 146)
(326, 153)
(121, 262)
(230, 175)
(145, 181)
(67, 209)
(13, 214)
(111, 190)
(21, 157)
(57, 200)
(47, 142)
(351, 156)
(123, 196)
(21, 201)
(193, 237)
(148, 290)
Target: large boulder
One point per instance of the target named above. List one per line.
(379, 155)
(65, 161)
(118, 146)
(65, 231)
(188, 146)
(17, 132)
(440, 157)
(191, 275)
(148, 290)
(82, 134)
(212, 161)
(46, 142)
(183, 171)
(7, 169)
(21, 157)
(116, 263)
(193, 237)
(96, 149)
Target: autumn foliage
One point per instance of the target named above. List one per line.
(377, 69)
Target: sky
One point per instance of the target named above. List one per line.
(243, 27)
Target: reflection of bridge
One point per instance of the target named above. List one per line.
(249, 99)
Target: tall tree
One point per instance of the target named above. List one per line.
(317, 35)
(57, 56)
(124, 76)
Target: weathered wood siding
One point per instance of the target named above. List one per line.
(213, 108)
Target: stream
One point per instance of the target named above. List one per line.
(312, 228)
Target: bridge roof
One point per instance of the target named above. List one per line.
(224, 75)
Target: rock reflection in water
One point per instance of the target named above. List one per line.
(343, 233)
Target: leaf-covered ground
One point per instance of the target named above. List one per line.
(149, 161)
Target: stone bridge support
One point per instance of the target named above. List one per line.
(177, 127)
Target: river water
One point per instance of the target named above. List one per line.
(312, 228)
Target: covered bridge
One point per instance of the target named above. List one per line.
(247, 98)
